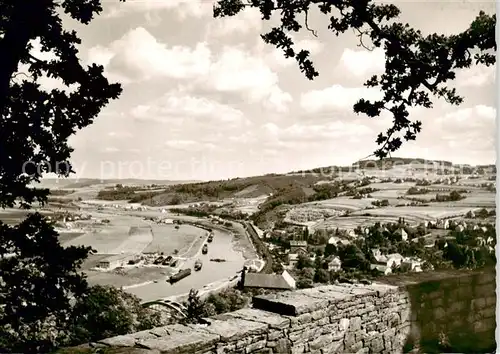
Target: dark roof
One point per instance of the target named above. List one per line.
(267, 281)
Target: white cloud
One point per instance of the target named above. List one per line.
(184, 8)
(362, 63)
(315, 133)
(314, 46)
(139, 56)
(120, 134)
(182, 109)
(276, 59)
(476, 76)
(237, 71)
(336, 97)
(245, 21)
(473, 122)
(181, 144)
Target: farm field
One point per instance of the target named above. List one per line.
(388, 194)
(14, 216)
(166, 238)
(139, 238)
(104, 239)
(65, 237)
(473, 182)
(342, 203)
(418, 213)
(392, 186)
(128, 276)
(351, 222)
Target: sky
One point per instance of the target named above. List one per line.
(206, 98)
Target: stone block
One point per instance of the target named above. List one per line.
(233, 329)
(274, 335)
(491, 301)
(321, 341)
(457, 306)
(477, 304)
(333, 348)
(272, 319)
(181, 343)
(484, 290)
(302, 336)
(283, 346)
(488, 276)
(299, 349)
(225, 348)
(289, 303)
(376, 345)
(253, 347)
(119, 341)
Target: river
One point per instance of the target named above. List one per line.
(221, 247)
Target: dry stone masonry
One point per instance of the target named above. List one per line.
(426, 313)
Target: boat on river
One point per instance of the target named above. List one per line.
(197, 265)
(180, 275)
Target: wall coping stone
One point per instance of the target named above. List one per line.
(298, 302)
(281, 311)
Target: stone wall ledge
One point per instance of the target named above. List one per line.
(383, 317)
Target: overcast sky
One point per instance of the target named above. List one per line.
(205, 98)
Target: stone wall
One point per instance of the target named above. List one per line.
(431, 312)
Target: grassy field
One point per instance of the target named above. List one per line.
(105, 239)
(14, 216)
(342, 203)
(138, 240)
(65, 237)
(166, 238)
(351, 222)
(127, 277)
(418, 213)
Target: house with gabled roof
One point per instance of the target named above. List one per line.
(283, 281)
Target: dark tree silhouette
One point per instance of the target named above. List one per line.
(417, 66)
(38, 277)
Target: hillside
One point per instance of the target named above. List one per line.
(68, 183)
(298, 185)
(251, 187)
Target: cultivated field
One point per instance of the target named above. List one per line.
(342, 203)
(127, 276)
(417, 213)
(14, 216)
(351, 222)
(105, 239)
(166, 238)
(138, 240)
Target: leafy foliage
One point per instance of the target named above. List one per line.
(105, 311)
(417, 66)
(37, 280)
(38, 276)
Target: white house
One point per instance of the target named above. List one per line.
(335, 264)
(394, 259)
(381, 268)
(412, 264)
